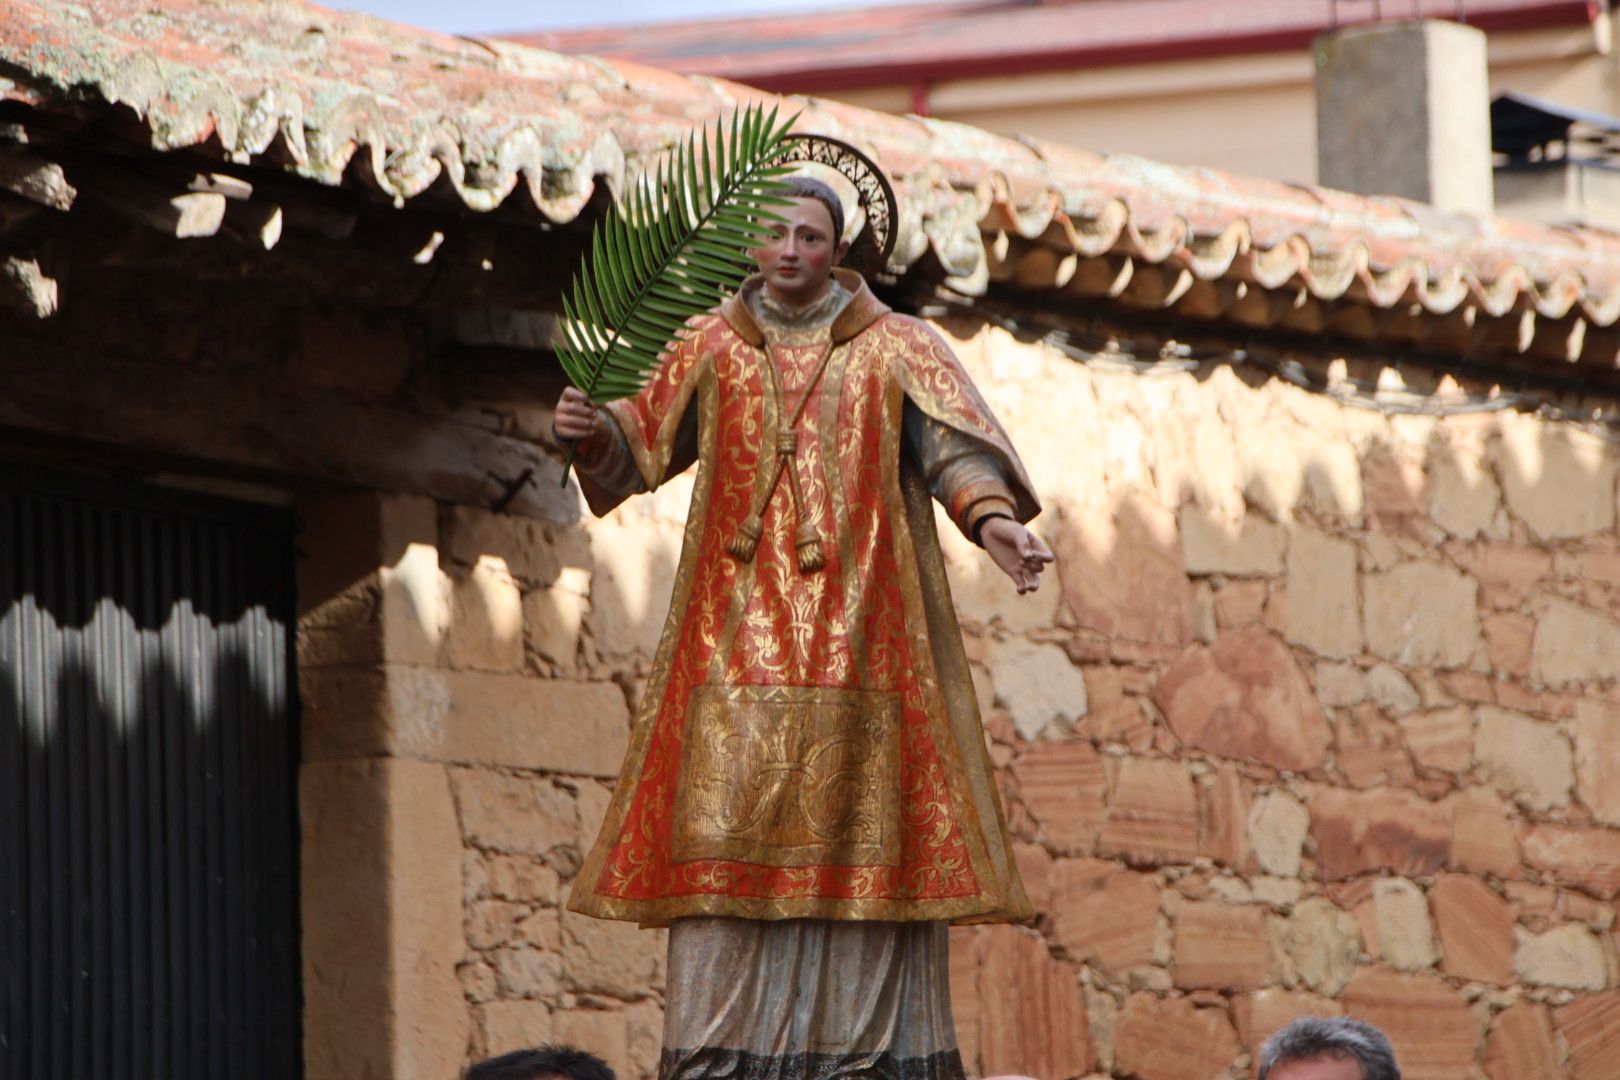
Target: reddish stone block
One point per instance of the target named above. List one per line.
(1597, 566)
(1065, 787)
(1584, 858)
(1245, 698)
(1367, 918)
(1476, 929)
(1442, 739)
(1273, 1009)
(964, 977)
(1536, 905)
(1394, 488)
(1379, 829)
(1484, 834)
(1239, 602)
(1023, 1008)
(1223, 815)
(1153, 816)
(1351, 894)
(1035, 867)
(606, 1031)
(1221, 946)
(1591, 1027)
(1123, 572)
(1569, 905)
(1597, 759)
(1508, 572)
(1520, 1045)
(1172, 1039)
(1427, 1021)
(1469, 686)
(1115, 713)
(1369, 748)
(1507, 642)
(1104, 914)
(1555, 706)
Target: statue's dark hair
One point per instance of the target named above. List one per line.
(540, 1062)
(800, 186)
(1313, 1037)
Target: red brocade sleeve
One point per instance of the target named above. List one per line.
(653, 434)
(989, 477)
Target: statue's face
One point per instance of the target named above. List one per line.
(799, 259)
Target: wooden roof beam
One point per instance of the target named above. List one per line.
(27, 289)
(151, 203)
(35, 179)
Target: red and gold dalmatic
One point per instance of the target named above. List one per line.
(809, 743)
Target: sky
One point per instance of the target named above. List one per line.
(491, 16)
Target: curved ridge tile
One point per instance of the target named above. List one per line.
(1210, 256)
(1329, 274)
(327, 95)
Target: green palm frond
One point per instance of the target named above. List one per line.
(680, 244)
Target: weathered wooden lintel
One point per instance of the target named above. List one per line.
(275, 429)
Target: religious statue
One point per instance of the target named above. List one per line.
(806, 801)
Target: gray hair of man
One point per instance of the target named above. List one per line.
(1313, 1037)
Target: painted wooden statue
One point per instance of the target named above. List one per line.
(806, 801)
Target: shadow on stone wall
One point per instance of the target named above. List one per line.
(1345, 716)
(1318, 714)
(148, 887)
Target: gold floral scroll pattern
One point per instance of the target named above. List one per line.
(794, 628)
(651, 420)
(855, 470)
(790, 776)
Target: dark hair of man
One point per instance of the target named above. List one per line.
(540, 1063)
(800, 186)
(1312, 1038)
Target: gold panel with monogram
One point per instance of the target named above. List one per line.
(790, 776)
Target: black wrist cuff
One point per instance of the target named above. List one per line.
(978, 526)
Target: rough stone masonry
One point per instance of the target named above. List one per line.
(1322, 716)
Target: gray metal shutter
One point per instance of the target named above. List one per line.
(148, 824)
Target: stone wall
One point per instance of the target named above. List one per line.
(1325, 719)
(447, 657)
(1320, 714)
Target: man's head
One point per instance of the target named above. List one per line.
(542, 1063)
(1328, 1048)
(798, 261)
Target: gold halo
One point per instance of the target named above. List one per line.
(870, 251)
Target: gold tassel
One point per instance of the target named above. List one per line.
(746, 542)
(808, 545)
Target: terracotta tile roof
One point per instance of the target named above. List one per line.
(809, 53)
(351, 99)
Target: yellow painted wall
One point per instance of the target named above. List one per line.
(1254, 115)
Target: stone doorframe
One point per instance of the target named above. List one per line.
(380, 844)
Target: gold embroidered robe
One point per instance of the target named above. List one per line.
(808, 744)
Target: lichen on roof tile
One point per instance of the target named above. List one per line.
(295, 86)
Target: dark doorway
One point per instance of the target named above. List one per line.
(148, 821)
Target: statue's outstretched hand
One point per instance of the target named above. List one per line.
(1020, 553)
(576, 416)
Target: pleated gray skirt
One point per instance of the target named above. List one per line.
(808, 999)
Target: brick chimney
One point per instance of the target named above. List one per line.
(1404, 109)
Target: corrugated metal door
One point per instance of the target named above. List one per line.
(147, 761)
